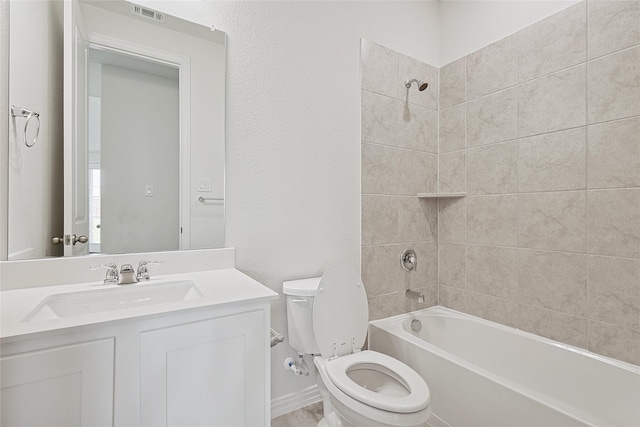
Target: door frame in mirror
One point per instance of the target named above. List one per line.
(183, 64)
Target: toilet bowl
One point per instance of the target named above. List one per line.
(328, 318)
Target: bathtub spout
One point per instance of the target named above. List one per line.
(418, 296)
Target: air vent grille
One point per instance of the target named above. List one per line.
(147, 13)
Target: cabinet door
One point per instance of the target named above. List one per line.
(63, 386)
(206, 373)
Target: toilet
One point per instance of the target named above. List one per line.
(328, 317)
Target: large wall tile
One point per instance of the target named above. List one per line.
(614, 154)
(452, 298)
(555, 221)
(614, 222)
(553, 325)
(451, 169)
(554, 102)
(553, 44)
(452, 84)
(379, 220)
(613, 25)
(492, 68)
(418, 172)
(492, 308)
(492, 270)
(452, 264)
(384, 306)
(380, 171)
(426, 271)
(417, 220)
(492, 118)
(452, 129)
(452, 220)
(380, 269)
(410, 68)
(493, 220)
(493, 169)
(418, 128)
(553, 162)
(614, 291)
(614, 341)
(553, 280)
(613, 86)
(379, 69)
(379, 119)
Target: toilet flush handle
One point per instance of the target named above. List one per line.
(303, 302)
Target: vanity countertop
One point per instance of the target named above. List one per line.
(217, 288)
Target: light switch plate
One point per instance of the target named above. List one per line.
(204, 184)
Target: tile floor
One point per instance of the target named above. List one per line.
(309, 416)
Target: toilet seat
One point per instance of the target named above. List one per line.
(418, 397)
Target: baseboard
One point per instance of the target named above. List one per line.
(290, 402)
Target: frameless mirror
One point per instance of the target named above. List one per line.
(126, 106)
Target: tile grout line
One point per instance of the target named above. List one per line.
(586, 184)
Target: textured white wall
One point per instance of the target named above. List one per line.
(466, 26)
(293, 131)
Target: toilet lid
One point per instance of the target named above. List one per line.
(340, 311)
(418, 397)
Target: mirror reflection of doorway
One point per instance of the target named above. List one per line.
(133, 154)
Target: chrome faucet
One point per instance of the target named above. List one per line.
(112, 277)
(126, 275)
(143, 270)
(418, 296)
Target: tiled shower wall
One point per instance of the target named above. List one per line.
(542, 131)
(399, 160)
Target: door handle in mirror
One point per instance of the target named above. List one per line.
(79, 239)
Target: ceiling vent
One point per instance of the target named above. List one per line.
(147, 13)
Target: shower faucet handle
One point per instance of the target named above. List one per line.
(409, 260)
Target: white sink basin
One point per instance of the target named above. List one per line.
(101, 300)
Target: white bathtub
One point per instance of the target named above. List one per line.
(482, 373)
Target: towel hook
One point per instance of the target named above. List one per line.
(23, 112)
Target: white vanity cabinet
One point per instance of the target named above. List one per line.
(202, 366)
(69, 385)
(204, 373)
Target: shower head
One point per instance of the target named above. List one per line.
(421, 85)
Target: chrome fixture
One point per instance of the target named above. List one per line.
(69, 240)
(202, 199)
(421, 85)
(418, 296)
(143, 270)
(409, 260)
(112, 275)
(416, 325)
(28, 114)
(126, 275)
(275, 337)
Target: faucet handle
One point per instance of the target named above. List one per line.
(143, 270)
(112, 275)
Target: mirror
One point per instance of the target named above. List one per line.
(126, 106)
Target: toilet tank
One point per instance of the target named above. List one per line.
(299, 295)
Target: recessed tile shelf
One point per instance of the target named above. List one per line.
(440, 195)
